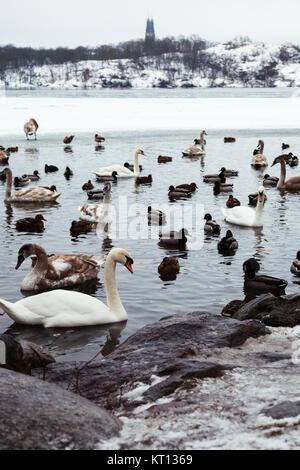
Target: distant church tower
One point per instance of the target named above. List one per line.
(150, 34)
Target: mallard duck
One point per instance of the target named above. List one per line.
(36, 194)
(144, 179)
(253, 198)
(12, 149)
(232, 202)
(88, 186)
(213, 178)
(81, 226)
(243, 215)
(30, 128)
(164, 159)
(295, 267)
(255, 285)
(50, 168)
(68, 172)
(98, 213)
(259, 160)
(64, 308)
(228, 244)
(99, 139)
(4, 157)
(131, 166)
(292, 184)
(177, 193)
(174, 239)
(191, 188)
(122, 171)
(21, 181)
(156, 216)
(270, 180)
(222, 188)
(34, 177)
(169, 268)
(56, 271)
(95, 194)
(229, 140)
(210, 226)
(68, 139)
(31, 224)
(112, 177)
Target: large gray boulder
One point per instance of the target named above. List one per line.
(38, 415)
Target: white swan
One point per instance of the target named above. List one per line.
(122, 171)
(98, 213)
(243, 215)
(63, 308)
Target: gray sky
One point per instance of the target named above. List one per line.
(71, 23)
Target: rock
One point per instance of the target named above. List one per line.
(162, 355)
(40, 416)
(272, 311)
(285, 409)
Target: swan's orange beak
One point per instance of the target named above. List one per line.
(128, 266)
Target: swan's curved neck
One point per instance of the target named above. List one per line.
(112, 295)
(8, 185)
(40, 269)
(258, 211)
(136, 167)
(261, 148)
(281, 181)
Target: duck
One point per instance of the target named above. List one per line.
(113, 177)
(50, 168)
(210, 226)
(97, 213)
(193, 151)
(295, 266)
(228, 172)
(177, 193)
(294, 161)
(201, 141)
(284, 146)
(21, 181)
(68, 139)
(213, 178)
(164, 159)
(228, 244)
(255, 285)
(232, 202)
(65, 308)
(68, 172)
(232, 307)
(243, 215)
(99, 139)
(30, 128)
(31, 224)
(191, 188)
(144, 179)
(30, 194)
(253, 198)
(156, 216)
(51, 188)
(12, 149)
(174, 239)
(131, 166)
(259, 160)
(34, 177)
(81, 226)
(56, 271)
(95, 194)
(270, 180)
(122, 172)
(169, 268)
(222, 188)
(4, 157)
(292, 184)
(229, 140)
(88, 186)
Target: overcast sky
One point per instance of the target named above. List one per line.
(71, 23)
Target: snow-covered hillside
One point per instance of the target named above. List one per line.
(234, 64)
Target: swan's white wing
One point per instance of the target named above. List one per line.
(122, 171)
(240, 215)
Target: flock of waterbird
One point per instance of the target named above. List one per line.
(56, 307)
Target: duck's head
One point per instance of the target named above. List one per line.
(261, 194)
(266, 177)
(183, 233)
(149, 209)
(40, 217)
(229, 234)
(126, 164)
(223, 169)
(171, 188)
(208, 217)
(250, 268)
(193, 186)
(119, 255)
(114, 174)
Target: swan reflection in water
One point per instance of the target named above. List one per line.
(72, 343)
